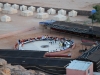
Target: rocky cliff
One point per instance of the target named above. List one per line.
(8, 69)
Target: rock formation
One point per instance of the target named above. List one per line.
(8, 69)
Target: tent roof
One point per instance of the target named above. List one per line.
(73, 11)
(23, 6)
(26, 11)
(34, 57)
(40, 8)
(15, 4)
(7, 3)
(31, 7)
(75, 27)
(51, 9)
(5, 16)
(61, 10)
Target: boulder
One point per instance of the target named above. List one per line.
(3, 62)
(16, 67)
(6, 71)
(18, 72)
(2, 73)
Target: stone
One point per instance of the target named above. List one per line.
(3, 62)
(40, 73)
(16, 67)
(6, 71)
(2, 73)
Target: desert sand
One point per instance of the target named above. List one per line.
(68, 4)
(28, 27)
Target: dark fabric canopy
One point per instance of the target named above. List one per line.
(74, 27)
(90, 52)
(32, 58)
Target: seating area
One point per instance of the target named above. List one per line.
(64, 46)
(62, 43)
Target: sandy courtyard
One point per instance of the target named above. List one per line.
(28, 27)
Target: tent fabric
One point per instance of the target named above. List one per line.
(93, 11)
(15, 6)
(5, 18)
(9, 10)
(26, 13)
(75, 27)
(7, 5)
(62, 12)
(72, 13)
(40, 10)
(31, 8)
(22, 53)
(1, 5)
(59, 17)
(12, 11)
(5, 10)
(42, 15)
(23, 7)
(0, 9)
(51, 11)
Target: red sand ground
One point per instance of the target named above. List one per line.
(28, 27)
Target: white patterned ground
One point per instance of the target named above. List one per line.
(37, 46)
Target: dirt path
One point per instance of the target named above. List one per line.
(16, 32)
